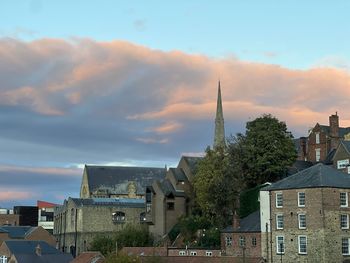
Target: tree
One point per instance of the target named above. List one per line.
(214, 186)
(267, 149)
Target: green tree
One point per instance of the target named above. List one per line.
(214, 186)
(267, 149)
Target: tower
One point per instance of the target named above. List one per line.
(219, 137)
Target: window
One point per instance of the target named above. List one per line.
(170, 206)
(302, 221)
(343, 199)
(344, 246)
(301, 199)
(72, 217)
(317, 134)
(228, 241)
(344, 221)
(254, 241)
(208, 253)
(118, 217)
(280, 244)
(193, 253)
(318, 154)
(182, 253)
(302, 244)
(242, 241)
(279, 221)
(341, 164)
(142, 217)
(3, 259)
(279, 200)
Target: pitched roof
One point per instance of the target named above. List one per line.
(250, 223)
(167, 188)
(298, 166)
(115, 202)
(89, 257)
(346, 145)
(54, 258)
(319, 175)
(178, 174)
(116, 179)
(29, 246)
(17, 232)
(192, 162)
(342, 130)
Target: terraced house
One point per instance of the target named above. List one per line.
(305, 217)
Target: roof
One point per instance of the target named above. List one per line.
(89, 257)
(250, 223)
(329, 157)
(178, 174)
(116, 179)
(17, 232)
(116, 202)
(346, 145)
(342, 130)
(29, 246)
(316, 176)
(298, 166)
(167, 188)
(44, 204)
(192, 162)
(54, 258)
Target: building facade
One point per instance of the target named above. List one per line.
(305, 217)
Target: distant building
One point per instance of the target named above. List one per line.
(45, 215)
(26, 233)
(305, 217)
(78, 221)
(28, 215)
(23, 251)
(341, 156)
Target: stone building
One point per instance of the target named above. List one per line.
(305, 217)
(243, 237)
(78, 221)
(321, 141)
(341, 156)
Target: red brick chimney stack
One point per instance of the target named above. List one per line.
(334, 130)
(235, 219)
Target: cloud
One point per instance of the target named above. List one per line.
(79, 101)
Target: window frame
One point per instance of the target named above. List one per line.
(182, 253)
(317, 137)
(299, 220)
(193, 253)
(279, 216)
(279, 205)
(228, 241)
(341, 221)
(299, 245)
(346, 199)
(241, 241)
(208, 253)
(299, 203)
(3, 259)
(278, 247)
(119, 217)
(318, 154)
(347, 246)
(254, 241)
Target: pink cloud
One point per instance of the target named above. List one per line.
(9, 195)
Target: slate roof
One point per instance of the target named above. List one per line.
(167, 188)
(24, 252)
(346, 145)
(298, 166)
(179, 174)
(316, 176)
(342, 130)
(17, 232)
(115, 202)
(192, 162)
(250, 223)
(115, 179)
(89, 257)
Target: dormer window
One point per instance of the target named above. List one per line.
(118, 217)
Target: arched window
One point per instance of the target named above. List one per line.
(72, 217)
(118, 217)
(143, 217)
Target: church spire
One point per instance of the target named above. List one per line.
(219, 138)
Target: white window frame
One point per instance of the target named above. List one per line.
(279, 202)
(299, 245)
(228, 241)
(345, 244)
(342, 164)
(299, 199)
(193, 253)
(346, 216)
(278, 247)
(317, 138)
(279, 220)
(242, 241)
(300, 221)
(346, 199)
(208, 253)
(317, 154)
(182, 253)
(3, 259)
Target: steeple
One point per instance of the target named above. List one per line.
(219, 138)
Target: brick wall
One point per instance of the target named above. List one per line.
(250, 250)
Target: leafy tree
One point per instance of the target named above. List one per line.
(267, 149)
(214, 186)
(129, 236)
(210, 238)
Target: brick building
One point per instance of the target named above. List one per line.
(243, 237)
(305, 217)
(321, 141)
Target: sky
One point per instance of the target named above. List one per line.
(135, 82)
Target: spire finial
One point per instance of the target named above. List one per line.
(219, 138)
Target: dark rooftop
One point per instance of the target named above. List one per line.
(319, 175)
(250, 223)
(179, 174)
(17, 232)
(28, 247)
(192, 162)
(116, 202)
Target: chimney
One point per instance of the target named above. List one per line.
(235, 221)
(334, 130)
(38, 250)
